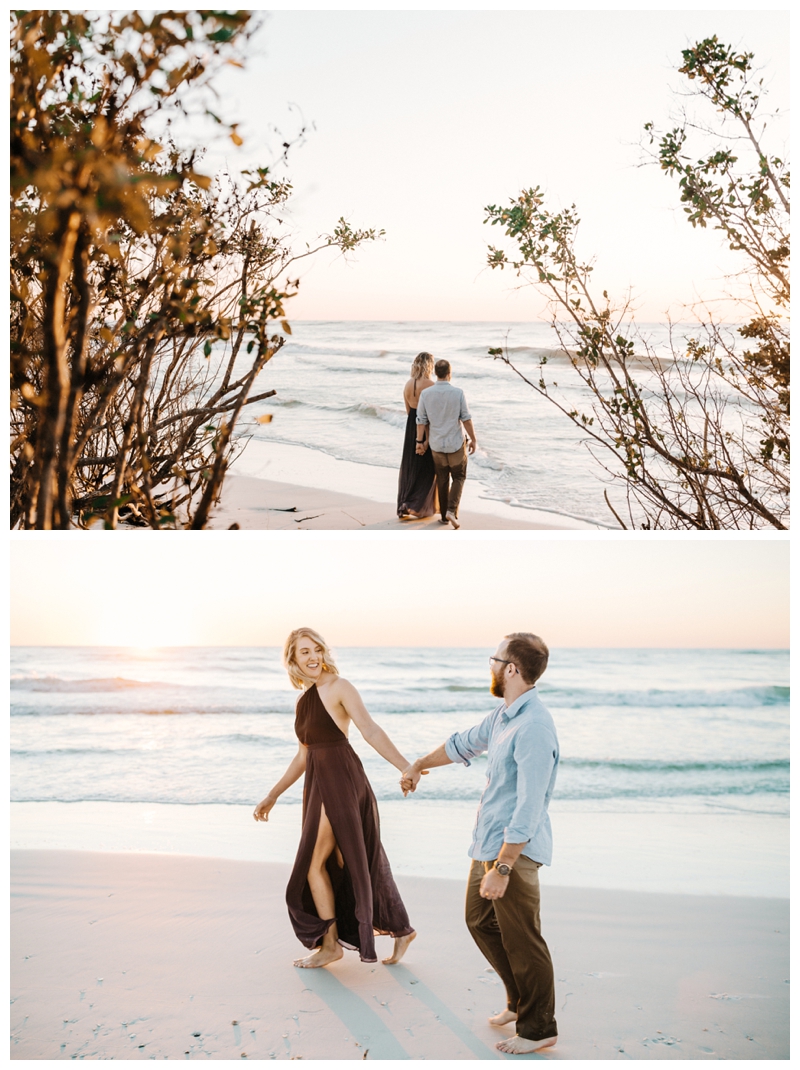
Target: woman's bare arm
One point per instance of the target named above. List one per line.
(347, 696)
(293, 773)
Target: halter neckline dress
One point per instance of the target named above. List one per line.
(367, 901)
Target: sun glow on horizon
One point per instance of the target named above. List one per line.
(612, 593)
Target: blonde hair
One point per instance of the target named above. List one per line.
(422, 366)
(298, 678)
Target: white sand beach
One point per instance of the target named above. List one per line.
(138, 956)
(279, 487)
(262, 505)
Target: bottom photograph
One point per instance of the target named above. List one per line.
(328, 799)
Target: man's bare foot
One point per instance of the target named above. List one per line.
(321, 957)
(400, 947)
(517, 1045)
(503, 1018)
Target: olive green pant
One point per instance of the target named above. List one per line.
(451, 472)
(508, 932)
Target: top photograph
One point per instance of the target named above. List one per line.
(399, 270)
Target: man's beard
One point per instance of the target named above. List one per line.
(498, 686)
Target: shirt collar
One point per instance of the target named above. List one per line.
(518, 703)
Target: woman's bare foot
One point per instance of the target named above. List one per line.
(517, 1045)
(323, 956)
(503, 1018)
(400, 947)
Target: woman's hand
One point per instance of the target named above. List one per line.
(261, 812)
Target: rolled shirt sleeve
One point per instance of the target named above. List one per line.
(422, 416)
(462, 746)
(535, 755)
(464, 412)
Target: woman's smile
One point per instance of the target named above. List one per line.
(310, 659)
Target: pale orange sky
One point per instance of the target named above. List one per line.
(211, 589)
(416, 120)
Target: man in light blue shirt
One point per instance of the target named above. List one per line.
(512, 837)
(442, 420)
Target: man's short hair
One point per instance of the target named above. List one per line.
(442, 369)
(529, 653)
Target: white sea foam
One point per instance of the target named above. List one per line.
(682, 729)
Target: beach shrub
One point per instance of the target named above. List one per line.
(146, 297)
(698, 437)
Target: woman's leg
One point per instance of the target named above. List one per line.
(321, 889)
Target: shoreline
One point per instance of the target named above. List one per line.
(276, 487)
(650, 852)
(154, 956)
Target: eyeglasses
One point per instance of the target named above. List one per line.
(503, 660)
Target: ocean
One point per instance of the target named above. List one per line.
(675, 731)
(340, 392)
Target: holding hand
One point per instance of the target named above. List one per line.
(410, 778)
(421, 447)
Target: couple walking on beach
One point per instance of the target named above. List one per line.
(341, 891)
(434, 461)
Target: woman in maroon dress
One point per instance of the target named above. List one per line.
(341, 890)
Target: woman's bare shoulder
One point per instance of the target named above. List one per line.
(414, 387)
(337, 685)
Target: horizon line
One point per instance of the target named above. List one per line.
(363, 646)
(548, 322)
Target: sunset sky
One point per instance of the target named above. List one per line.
(140, 590)
(422, 118)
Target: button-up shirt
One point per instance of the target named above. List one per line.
(443, 406)
(523, 754)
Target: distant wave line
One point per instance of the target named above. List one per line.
(654, 765)
(467, 793)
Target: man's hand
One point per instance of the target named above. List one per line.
(421, 447)
(472, 445)
(409, 778)
(493, 886)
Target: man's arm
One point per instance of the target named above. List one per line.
(460, 747)
(410, 777)
(535, 756)
(493, 886)
(472, 440)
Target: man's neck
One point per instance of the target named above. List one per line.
(510, 699)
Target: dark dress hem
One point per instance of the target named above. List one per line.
(416, 484)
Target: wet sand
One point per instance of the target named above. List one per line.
(151, 956)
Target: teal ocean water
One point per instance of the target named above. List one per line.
(340, 392)
(676, 730)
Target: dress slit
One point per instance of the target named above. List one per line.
(366, 897)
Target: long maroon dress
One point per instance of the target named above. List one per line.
(416, 483)
(366, 898)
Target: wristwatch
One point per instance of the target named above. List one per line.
(502, 869)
